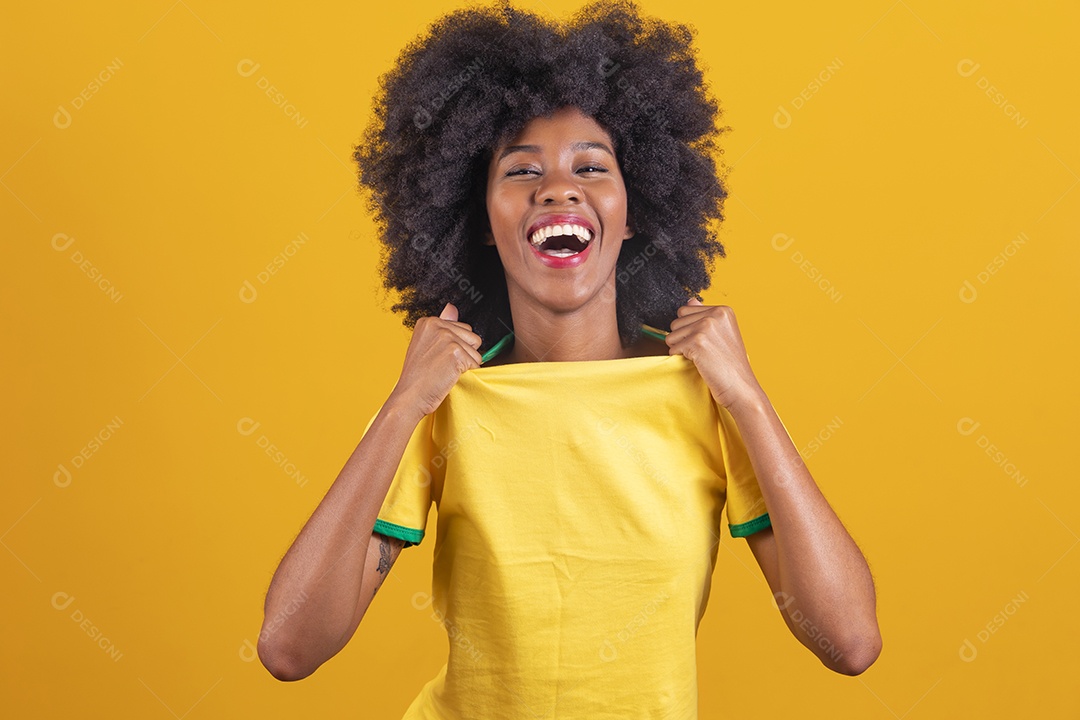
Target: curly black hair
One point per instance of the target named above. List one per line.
(474, 81)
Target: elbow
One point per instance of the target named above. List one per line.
(282, 664)
(858, 655)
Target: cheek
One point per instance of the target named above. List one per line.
(498, 211)
(614, 206)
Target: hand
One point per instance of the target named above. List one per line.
(709, 336)
(441, 349)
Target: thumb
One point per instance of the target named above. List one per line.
(449, 313)
(694, 301)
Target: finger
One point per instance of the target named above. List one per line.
(695, 301)
(466, 336)
(678, 334)
(477, 358)
(688, 315)
(691, 307)
(678, 346)
(450, 314)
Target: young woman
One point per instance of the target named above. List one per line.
(578, 416)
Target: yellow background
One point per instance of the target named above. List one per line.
(179, 180)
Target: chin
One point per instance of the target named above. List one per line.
(575, 299)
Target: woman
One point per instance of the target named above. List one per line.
(544, 193)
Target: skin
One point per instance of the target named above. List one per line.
(820, 580)
(560, 313)
(324, 584)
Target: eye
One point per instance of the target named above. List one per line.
(522, 171)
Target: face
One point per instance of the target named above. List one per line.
(560, 165)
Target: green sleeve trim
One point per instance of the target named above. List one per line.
(411, 536)
(749, 528)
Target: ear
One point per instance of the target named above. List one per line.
(489, 239)
(629, 229)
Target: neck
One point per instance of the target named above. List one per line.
(590, 332)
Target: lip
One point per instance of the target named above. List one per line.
(562, 262)
(559, 219)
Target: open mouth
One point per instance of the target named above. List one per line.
(561, 240)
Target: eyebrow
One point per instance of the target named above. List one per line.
(580, 145)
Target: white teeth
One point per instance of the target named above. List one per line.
(582, 233)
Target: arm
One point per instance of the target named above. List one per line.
(817, 574)
(325, 582)
(327, 579)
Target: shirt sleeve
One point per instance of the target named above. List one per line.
(404, 512)
(745, 505)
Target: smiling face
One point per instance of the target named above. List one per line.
(559, 171)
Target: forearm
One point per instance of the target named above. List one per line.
(313, 596)
(826, 591)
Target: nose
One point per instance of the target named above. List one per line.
(557, 187)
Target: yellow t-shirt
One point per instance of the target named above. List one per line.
(578, 508)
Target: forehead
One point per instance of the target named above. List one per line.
(566, 126)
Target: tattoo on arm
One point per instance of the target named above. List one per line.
(385, 561)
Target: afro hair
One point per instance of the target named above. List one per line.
(473, 82)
